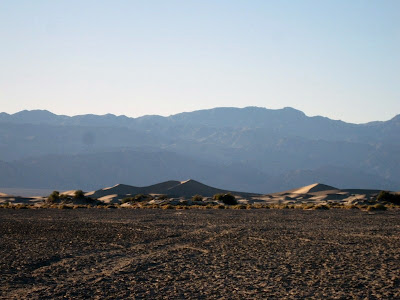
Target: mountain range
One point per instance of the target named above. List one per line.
(249, 149)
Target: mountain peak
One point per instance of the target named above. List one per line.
(34, 112)
(36, 116)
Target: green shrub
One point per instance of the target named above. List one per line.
(227, 199)
(218, 197)
(197, 198)
(137, 198)
(126, 200)
(388, 197)
(79, 194)
(53, 197)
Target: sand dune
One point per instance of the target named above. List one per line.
(119, 189)
(185, 188)
(69, 193)
(191, 187)
(20, 200)
(315, 187)
(317, 193)
(160, 188)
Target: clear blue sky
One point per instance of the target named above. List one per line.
(339, 59)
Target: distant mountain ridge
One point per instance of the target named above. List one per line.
(254, 149)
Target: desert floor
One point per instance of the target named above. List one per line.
(200, 254)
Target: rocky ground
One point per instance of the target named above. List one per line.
(200, 254)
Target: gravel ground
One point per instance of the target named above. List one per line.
(200, 254)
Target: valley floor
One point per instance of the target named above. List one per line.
(199, 254)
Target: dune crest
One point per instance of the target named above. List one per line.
(313, 188)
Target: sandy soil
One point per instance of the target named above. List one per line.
(204, 254)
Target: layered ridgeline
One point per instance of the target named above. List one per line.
(250, 149)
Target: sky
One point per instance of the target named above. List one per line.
(339, 59)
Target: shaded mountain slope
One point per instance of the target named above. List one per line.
(252, 149)
(91, 171)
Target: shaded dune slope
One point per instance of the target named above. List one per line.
(173, 188)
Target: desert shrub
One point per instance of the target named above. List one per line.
(376, 207)
(332, 204)
(162, 197)
(142, 197)
(137, 198)
(351, 206)
(63, 206)
(197, 198)
(241, 206)
(21, 206)
(218, 197)
(306, 206)
(181, 207)
(321, 207)
(168, 206)
(227, 199)
(79, 194)
(388, 197)
(53, 197)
